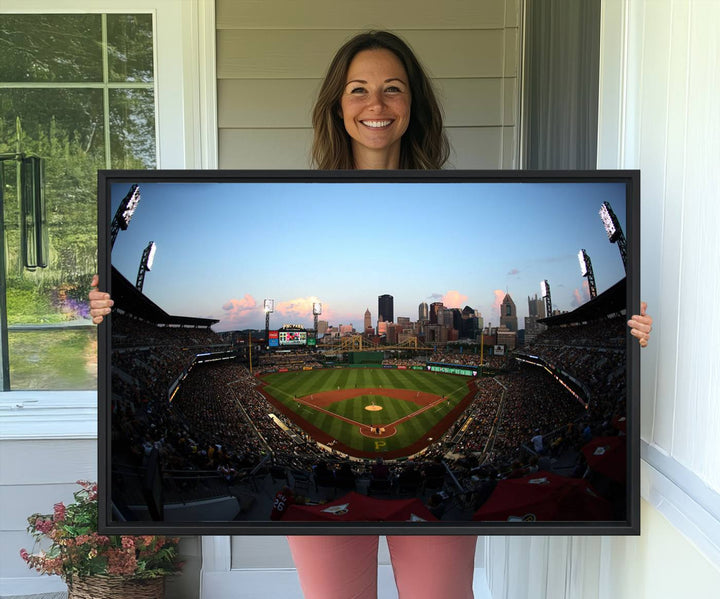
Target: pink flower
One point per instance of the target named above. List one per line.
(59, 512)
(121, 562)
(44, 526)
(128, 542)
(25, 555)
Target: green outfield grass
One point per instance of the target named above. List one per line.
(285, 387)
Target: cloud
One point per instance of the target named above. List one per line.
(577, 299)
(586, 289)
(436, 297)
(580, 297)
(240, 312)
(299, 309)
(240, 306)
(513, 272)
(454, 299)
(499, 297)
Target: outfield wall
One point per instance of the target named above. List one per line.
(365, 357)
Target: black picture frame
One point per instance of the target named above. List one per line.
(123, 413)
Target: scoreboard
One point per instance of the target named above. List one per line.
(293, 338)
(452, 369)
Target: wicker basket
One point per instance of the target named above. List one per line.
(116, 587)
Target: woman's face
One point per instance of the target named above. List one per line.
(375, 106)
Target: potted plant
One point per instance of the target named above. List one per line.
(94, 565)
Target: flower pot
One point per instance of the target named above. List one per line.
(116, 587)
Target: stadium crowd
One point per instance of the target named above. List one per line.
(218, 422)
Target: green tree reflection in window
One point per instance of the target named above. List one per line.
(81, 87)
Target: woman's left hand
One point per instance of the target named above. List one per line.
(641, 325)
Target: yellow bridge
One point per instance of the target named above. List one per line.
(360, 343)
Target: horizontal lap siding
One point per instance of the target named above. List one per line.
(344, 14)
(36, 474)
(271, 59)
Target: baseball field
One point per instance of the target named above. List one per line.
(368, 412)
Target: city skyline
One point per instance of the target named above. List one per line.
(225, 247)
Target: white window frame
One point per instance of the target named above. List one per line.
(186, 135)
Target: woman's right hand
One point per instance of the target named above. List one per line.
(100, 302)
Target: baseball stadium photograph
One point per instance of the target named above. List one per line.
(402, 352)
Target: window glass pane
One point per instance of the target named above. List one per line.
(54, 359)
(37, 48)
(53, 119)
(52, 342)
(130, 47)
(132, 128)
(65, 128)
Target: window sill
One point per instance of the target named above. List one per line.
(48, 415)
(683, 498)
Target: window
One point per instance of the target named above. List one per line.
(78, 91)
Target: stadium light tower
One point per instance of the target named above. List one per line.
(317, 311)
(545, 293)
(124, 213)
(269, 307)
(586, 270)
(146, 263)
(614, 230)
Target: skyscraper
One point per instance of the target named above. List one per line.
(435, 307)
(385, 308)
(508, 313)
(368, 321)
(536, 307)
(423, 311)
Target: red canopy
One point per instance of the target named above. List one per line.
(608, 456)
(360, 508)
(544, 496)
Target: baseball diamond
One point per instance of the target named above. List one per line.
(408, 409)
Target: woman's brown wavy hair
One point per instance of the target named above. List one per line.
(424, 144)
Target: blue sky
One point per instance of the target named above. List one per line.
(222, 248)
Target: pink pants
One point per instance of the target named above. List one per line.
(432, 567)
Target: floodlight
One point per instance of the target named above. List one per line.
(317, 308)
(269, 307)
(146, 262)
(614, 230)
(545, 293)
(587, 271)
(128, 206)
(151, 255)
(583, 265)
(612, 226)
(124, 213)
